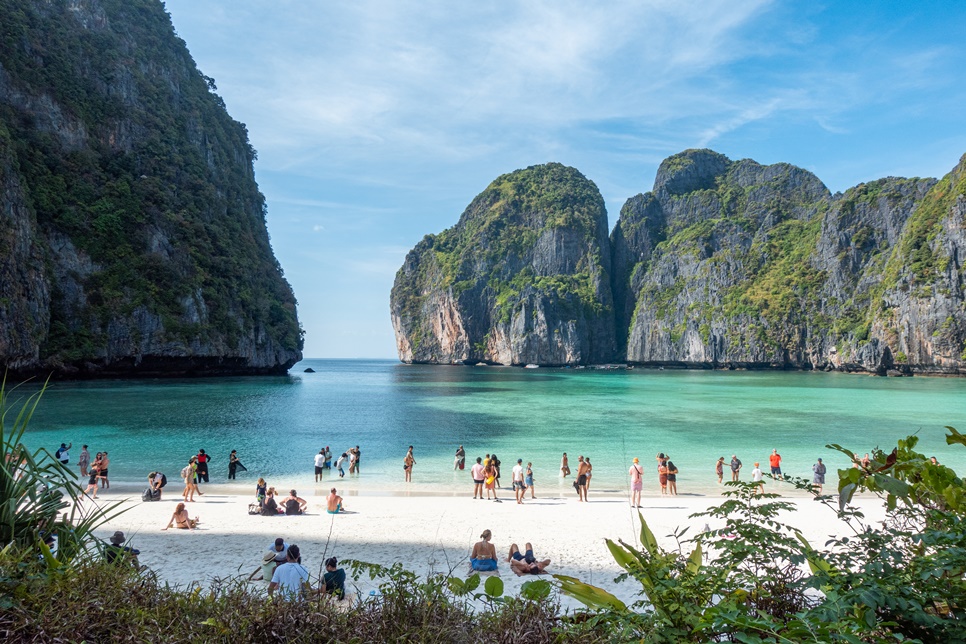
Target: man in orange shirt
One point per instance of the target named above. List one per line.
(776, 464)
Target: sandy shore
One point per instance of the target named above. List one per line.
(425, 533)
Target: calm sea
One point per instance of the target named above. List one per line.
(277, 424)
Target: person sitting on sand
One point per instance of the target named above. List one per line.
(270, 506)
(333, 503)
(483, 557)
(117, 553)
(526, 563)
(294, 504)
(265, 570)
(333, 579)
(181, 518)
(291, 578)
(279, 549)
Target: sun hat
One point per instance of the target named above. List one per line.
(117, 538)
(637, 460)
(268, 556)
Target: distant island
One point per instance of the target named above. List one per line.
(132, 230)
(723, 264)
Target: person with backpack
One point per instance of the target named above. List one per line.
(188, 473)
(63, 453)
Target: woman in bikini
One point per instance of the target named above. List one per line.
(408, 463)
(92, 481)
(180, 519)
(483, 556)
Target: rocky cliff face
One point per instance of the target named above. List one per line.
(724, 264)
(742, 265)
(132, 233)
(523, 277)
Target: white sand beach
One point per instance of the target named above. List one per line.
(424, 533)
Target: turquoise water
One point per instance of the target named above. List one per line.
(277, 424)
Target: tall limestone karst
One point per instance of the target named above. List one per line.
(727, 264)
(737, 264)
(132, 231)
(523, 277)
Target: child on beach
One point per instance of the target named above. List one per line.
(756, 477)
(338, 464)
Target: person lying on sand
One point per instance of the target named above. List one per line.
(180, 517)
(526, 563)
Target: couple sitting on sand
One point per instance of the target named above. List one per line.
(483, 557)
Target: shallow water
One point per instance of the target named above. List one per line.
(277, 424)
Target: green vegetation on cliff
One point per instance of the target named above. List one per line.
(123, 147)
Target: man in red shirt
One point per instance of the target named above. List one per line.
(776, 464)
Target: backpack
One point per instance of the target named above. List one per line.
(186, 471)
(150, 495)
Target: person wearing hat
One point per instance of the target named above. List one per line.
(265, 569)
(278, 550)
(637, 482)
(116, 553)
(518, 487)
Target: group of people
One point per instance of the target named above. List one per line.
(483, 557)
(585, 472)
(775, 466)
(351, 458)
(281, 571)
(486, 476)
(269, 505)
(98, 472)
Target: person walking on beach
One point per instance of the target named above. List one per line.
(582, 468)
(564, 466)
(756, 477)
(102, 472)
(775, 462)
(233, 463)
(735, 467)
(188, 475)
(460, 461)
(319, 465)
(92, 481)
(483, 555)
(201, 471)
(818, 479)
(84, 461)
(518, 486)
(528, 480)
(477, 472)
(408, 463)
(63, 453)
(489, 476)
(637, 482)
(672, 477)
(719, 469)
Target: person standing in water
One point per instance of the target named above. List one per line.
(672, 477)
(590, 472)
(358, 460)
(819, 479)
(460, 461)
(339, 463)
(319, 465)
(735, 467)
(408, 463)
(582, 469)
(564, 466)
(102, 475)
(719, 468)
(637, 482)
(528, 480)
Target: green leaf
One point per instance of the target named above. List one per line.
(456, 586)
(536, 590)
(493, 587)
(845, 495)
(694, 561)
(588, 595)
(472, 582)
(624, 559)
(647, 537)
(892, 485)
(954, 436)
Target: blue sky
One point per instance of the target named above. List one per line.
(376, 122)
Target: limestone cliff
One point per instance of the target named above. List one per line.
(737, 264)
(132, 233)
(724, 264)
(522, 277)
